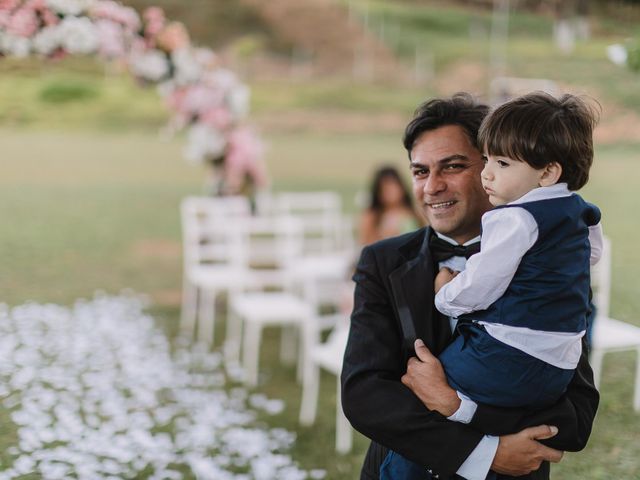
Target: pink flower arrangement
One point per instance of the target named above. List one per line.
(243, 148)
(23, 23)
(202, 97)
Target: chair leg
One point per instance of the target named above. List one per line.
(636, 394)
(206, 310)
(233, 336)
(189, 309)
(344, 433)
(251, 352)
(304, 360)
(310, 388)
(309, 338)
(595, 359)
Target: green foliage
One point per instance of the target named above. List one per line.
(68, 91)
(633, 56)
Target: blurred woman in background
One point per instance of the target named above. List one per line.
(390, 211)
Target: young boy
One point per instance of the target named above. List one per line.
(522, 302)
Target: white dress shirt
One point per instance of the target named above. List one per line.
(478, 463)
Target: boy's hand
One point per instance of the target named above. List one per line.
(444, 276)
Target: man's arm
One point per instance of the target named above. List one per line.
(373, 397)
(573, 413)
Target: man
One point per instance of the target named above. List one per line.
(403, 403)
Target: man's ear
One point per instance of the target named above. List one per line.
(550, 174)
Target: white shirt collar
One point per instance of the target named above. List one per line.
(453, 242)
(557, 190)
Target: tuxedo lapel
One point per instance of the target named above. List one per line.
(412, 288)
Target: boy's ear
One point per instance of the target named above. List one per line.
(550, 174)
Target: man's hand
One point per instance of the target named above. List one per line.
(425, 377)
(521, 453)
(444, 276)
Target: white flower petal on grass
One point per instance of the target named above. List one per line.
(95, 392)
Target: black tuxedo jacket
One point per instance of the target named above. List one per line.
(394, 292)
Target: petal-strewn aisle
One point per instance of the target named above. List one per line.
(96, 392)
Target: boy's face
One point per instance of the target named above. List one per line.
(505, 179)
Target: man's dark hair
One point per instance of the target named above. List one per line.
(461, 109)
(540, 129)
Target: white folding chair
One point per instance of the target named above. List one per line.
(215, 257)
(328, 356)
(610, 335)
(328, 240)
(321, 216)
(250, 312)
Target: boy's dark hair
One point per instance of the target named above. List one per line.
(540, 129)
(461, 109)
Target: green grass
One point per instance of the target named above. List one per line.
(75, 93)
(99, 211)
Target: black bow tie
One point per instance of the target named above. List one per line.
(442, 250)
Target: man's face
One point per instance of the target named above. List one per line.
(445, 167)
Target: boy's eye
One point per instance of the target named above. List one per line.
(484, 159)
(502, 163)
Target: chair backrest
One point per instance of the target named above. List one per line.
(212, 230)
(601, 280)
(321, 216)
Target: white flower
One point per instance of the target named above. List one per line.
(187, 68)
(79, 36)
(223, 79)
(617, 53)
(204, 56)
(47, 40)
(70, 7)
(151, 65)
(203, 142)
(14, 46)
(239, 100)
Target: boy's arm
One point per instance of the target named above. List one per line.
(507, 234)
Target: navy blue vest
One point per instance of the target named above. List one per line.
(550, 289)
